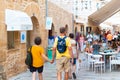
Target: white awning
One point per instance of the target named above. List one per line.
(17, 20)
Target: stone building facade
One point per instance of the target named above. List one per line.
(79, 28)
(61, 18)
(12, 58)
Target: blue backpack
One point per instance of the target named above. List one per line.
(61, 45)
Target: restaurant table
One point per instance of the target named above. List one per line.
(104, 54)
(107, 53)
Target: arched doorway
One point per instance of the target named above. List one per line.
(35, 32)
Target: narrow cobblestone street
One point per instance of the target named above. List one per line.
(83, 74)
(92, 25)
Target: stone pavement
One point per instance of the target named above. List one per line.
(82, 74)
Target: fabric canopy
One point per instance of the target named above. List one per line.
(17, 20)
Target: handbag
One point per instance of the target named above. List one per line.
(29, 59)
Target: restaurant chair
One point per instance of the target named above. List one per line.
(114, 61)
(90, 61)
(99, 63)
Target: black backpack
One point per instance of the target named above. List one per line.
(29, 59)
(61, 45)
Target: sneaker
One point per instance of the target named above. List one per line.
(74, 76)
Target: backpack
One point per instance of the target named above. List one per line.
(29, 59)
(61, 45)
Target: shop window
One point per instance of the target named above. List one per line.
(76, 16)
(88, 29)
(82, 28)
(76, 8)
(12, 39)
(76, 2)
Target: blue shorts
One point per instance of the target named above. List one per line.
(74, 61)
(34, 69)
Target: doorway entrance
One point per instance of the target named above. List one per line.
(33, 33)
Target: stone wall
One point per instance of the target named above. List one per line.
(39, 13)
(12, 60)
(60, 17)
(3, 40)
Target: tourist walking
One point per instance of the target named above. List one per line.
(77, 39)
(63, 50)
(38, 62)
(75, 54)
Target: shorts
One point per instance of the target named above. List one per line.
(74, 61)
(63, 64)
(34, 69)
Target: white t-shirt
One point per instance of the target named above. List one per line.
(73, 43)
(89, 37)
(115, 36)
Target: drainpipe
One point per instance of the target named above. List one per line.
(46, 1)
(46, 8)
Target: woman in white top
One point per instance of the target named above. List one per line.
(75, 53)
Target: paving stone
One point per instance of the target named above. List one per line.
(83, 74)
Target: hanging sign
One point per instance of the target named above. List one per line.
(48, 23)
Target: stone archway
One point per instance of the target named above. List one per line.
(33, 33)
(33, 10)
